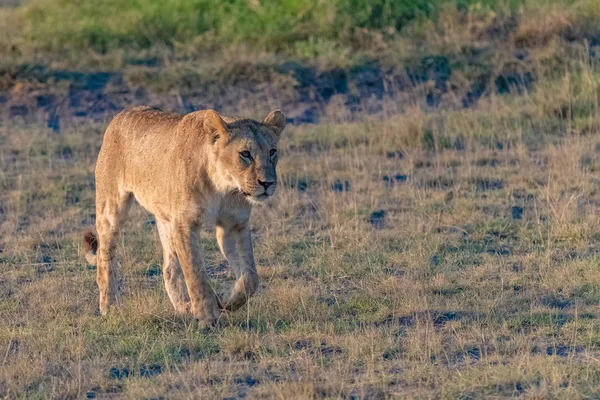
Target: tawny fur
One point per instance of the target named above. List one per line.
(189, 171)
(90, 245)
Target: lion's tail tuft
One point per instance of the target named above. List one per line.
(90, 244)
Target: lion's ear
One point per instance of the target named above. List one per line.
(276, 120)
(214, 125)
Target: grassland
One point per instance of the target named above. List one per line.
(439, 240)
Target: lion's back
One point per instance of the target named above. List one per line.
(135, 145)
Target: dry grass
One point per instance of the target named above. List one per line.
(420, 254)
(421, 250)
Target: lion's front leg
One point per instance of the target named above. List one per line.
(172, 273)
(206, 306)
(226, 239)
(247, 277)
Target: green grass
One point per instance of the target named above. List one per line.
(344, 32)
(75, 25)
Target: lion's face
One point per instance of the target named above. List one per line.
(246, 153)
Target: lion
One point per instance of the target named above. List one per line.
(187, 170)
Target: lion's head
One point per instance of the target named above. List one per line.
(246, 153)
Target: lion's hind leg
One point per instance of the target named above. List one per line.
(111, 212)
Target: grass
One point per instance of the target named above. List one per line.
(440, 241)
(470, 271)
(340, 33)
(269, 24)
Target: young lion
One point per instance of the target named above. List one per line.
(186, 170)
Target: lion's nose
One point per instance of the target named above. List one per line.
(265, 184)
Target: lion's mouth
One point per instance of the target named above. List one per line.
(262, 196)
(252, 196)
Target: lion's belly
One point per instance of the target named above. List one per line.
(154, 206)
(204, 210)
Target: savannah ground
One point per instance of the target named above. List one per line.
(435, 233)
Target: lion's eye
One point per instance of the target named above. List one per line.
(246, 154)
(272, 153)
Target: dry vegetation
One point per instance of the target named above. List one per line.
(419, 250)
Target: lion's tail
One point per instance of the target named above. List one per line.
(90, 244)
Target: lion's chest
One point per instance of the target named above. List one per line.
(211, 212)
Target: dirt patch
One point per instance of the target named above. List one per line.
(118, 373)
(37, 92)
(340, 186)
(34, 92)
(390, 181)
(377, 219)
